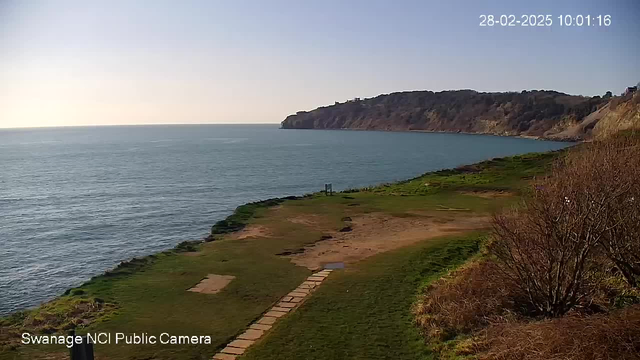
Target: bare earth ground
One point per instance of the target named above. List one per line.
(212, 284)
(251, 231)
(308, 219)
(378, 232)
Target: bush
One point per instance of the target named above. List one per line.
(570, 251)
(589, 204)
(616, 164)
(544, 251)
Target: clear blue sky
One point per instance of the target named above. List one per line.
(84, 62)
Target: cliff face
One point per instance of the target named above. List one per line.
(621, 114)
(546, 114)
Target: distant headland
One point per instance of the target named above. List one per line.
(541, 114)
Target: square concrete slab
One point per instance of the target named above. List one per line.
(296, 299)
(282, 309)
(315, 278)
(233, 350)
(212, 284)
(287, 298)
(296, 294)
(304, 291)
(251, 334)
(241, 343)
(287, 305)
(312, 284)
(267, 320)
(260, 327)
(221, 356)
(276, 314)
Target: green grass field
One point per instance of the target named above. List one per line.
(362, 312)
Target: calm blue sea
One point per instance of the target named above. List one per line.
(76, 201)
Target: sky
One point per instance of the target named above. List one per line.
(119, 62)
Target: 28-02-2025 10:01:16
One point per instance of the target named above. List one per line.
(545, 20)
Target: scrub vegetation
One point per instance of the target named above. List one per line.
(559, 277)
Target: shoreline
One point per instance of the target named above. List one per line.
(234, 222)
(131, 265)
(529, 137)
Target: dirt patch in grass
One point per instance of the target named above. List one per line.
(307, 220)
(212, 284)
(251, 231)
(375, 233)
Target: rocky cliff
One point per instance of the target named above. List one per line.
(544, 114)
(619, 113)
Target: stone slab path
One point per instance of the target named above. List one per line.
(285, 306)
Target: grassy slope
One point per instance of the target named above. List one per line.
(496, 174)
(364, 312)
(151, 297)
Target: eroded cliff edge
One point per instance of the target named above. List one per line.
(542, 114)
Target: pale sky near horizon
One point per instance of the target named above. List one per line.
(116, 62)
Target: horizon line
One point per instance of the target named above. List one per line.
(114, 125)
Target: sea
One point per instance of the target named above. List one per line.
(76, 201)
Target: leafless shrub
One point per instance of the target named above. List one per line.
(546, 247)
(617, 164)
(572, 249)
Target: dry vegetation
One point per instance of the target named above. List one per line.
(466, 300)
(57, 316)
(557, 270)
(602, 336)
